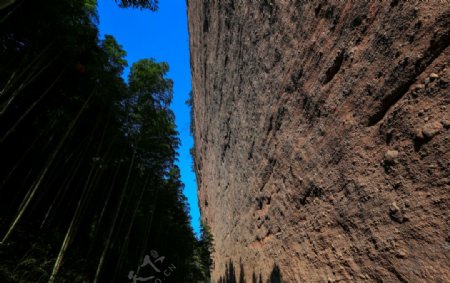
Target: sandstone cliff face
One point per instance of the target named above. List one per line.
(322, 138)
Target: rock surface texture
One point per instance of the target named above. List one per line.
(322, 138)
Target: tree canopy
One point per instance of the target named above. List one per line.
(143, 4)
(88, 184)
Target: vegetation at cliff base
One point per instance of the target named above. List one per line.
(89, 189)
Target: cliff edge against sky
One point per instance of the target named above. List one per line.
(322, 138)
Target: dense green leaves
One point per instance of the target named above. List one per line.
(88, 184)
(143, 4)
(115, 55)
(147, 81)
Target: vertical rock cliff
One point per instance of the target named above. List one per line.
(322, 138)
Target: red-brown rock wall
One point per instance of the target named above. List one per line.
(322, 138)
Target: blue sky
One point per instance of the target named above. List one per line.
(161, 35)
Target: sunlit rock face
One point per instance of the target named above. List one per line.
(322, 138)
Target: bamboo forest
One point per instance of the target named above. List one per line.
(89, 188)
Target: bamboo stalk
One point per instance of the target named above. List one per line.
(44, 173)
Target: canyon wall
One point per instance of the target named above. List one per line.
(322, 138)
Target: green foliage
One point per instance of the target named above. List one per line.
(190, 103)
(142, 4)
(147, 81)
(206, 245)
(201, 263)
(86, 157)
(115, 55)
